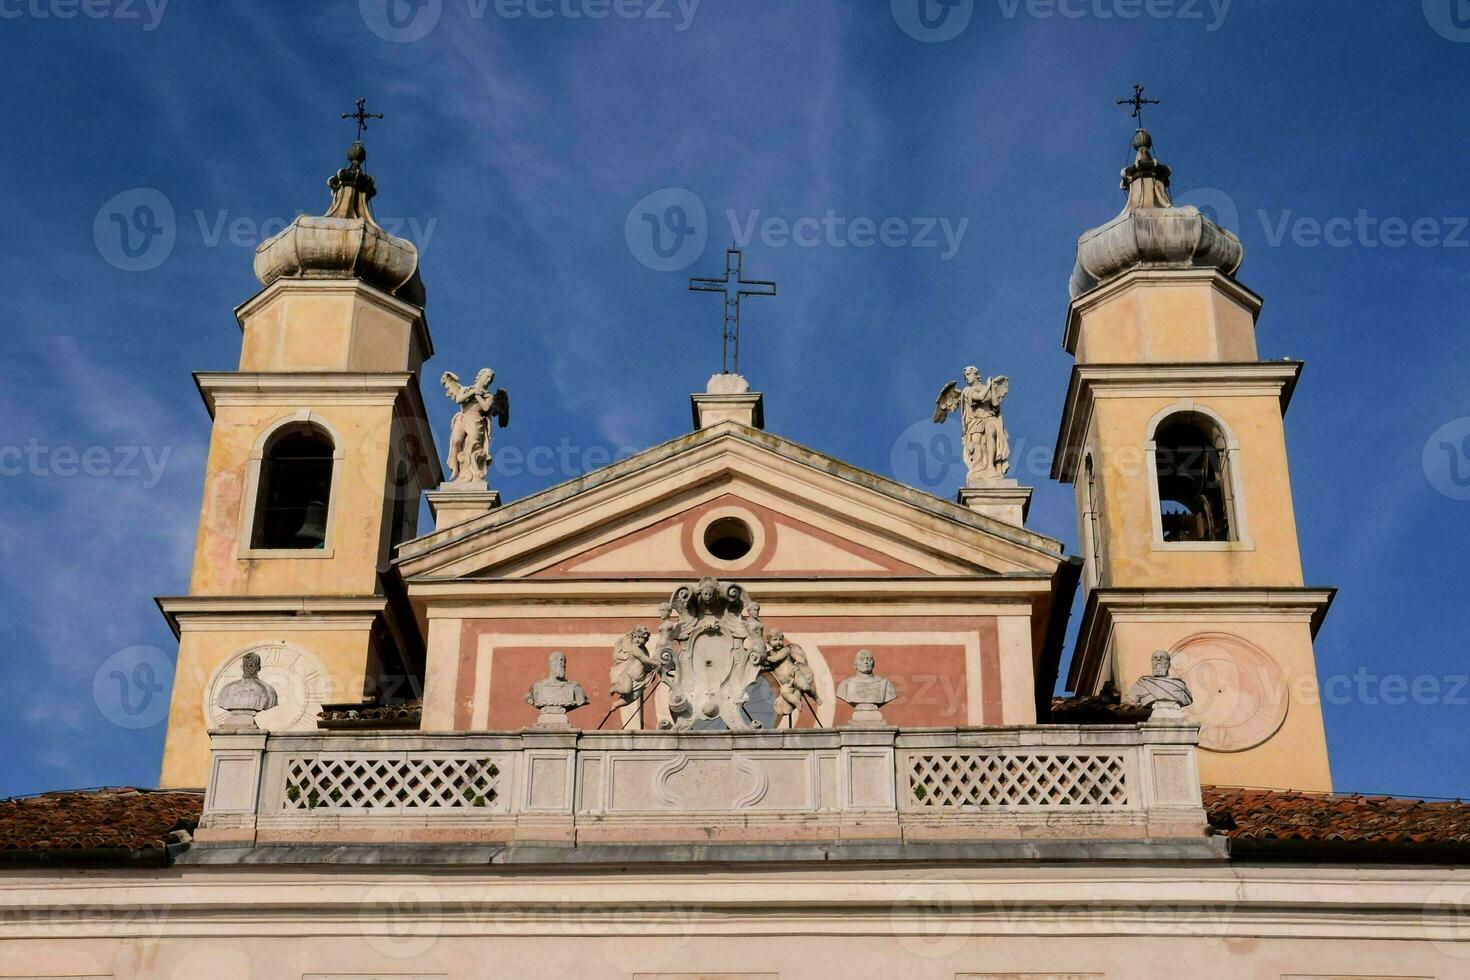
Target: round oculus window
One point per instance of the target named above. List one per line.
(728, 538)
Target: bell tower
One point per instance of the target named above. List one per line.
(318, 453)
(1173, 436)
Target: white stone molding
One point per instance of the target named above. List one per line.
(631, 788)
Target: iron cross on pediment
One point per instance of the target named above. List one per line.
(734, 285)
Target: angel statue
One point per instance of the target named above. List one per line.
(469, 437)
(987, 447)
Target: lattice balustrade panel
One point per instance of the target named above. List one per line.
(392, 782)
(1017, 780)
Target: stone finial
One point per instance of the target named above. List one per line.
(345, 243)
(554, 695)
(1152, 232)
(247, 697)
(728, 398)
(866, 691)
(1160, 691)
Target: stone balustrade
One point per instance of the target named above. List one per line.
(633, 788)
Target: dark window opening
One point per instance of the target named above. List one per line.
(295, 489)
(1194, 483)
(729, 539)
(403, 522)
(1092, 521)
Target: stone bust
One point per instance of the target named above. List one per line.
(1161, 691)
(246, 697)
(865, 690)
(554, 695)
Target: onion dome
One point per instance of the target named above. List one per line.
(344, 243)
(1152, 233)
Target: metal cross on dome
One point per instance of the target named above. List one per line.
(1138, 102)
(362, 116)
(734, 285)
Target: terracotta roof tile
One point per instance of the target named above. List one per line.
(132, 820)
(369, 714)
(1098, 709)
(116, 818)
(1261, 815)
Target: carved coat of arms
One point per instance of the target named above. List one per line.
(711, 649)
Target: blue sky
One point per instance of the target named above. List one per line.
(519, 143)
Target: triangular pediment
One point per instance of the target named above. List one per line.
(673, 511)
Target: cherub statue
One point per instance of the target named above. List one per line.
(987, 447)
(793, 673)
(632, 666)
(469, 436)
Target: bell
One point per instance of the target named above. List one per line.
(313, 530)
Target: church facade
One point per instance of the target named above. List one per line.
(731, 707)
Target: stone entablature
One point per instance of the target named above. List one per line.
(641, 788)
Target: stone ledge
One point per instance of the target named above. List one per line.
(649, 856)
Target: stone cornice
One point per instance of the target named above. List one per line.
(362, 290)
(1272, 378)
(1105, 606)
(298, 611)
(309, 389)
(1152, 277)
(955, 596)
(453, 552)
(845, 892)
(323, 387)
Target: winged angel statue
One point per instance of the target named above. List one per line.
(987, 447)
(469, 436)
